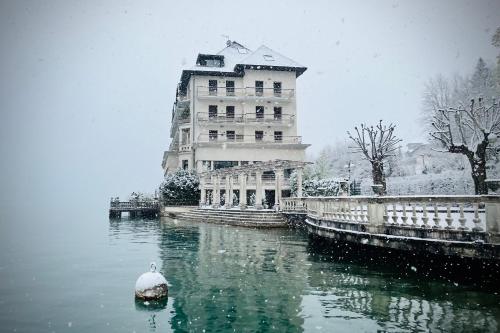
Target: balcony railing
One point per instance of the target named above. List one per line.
(266, 139)
(247, 92)
(205, 116)
(247, 118)
(185, 148)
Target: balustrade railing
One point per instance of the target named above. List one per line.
(271, 119)
(124, 205)
(246, 92)
(454, 213)
(266, 139)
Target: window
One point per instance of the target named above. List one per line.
(259, 112)
(210, 60)
(185, 139)
(224, 164)
(212, 111)
(212, 135)
(230, 135)
(213, 63)
(259, 88)
(277, 113)
(230, 112)
(185, 164)
(206, 165)
(229, 88)
(277, 89)
(278, 136)
(259, 135)
(212, 87)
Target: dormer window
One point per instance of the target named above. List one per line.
(268, 57)
(210, 60)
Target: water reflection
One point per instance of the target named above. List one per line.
(246, 280)
(233, 279)
(397, 304)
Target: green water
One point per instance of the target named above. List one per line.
(77, 274)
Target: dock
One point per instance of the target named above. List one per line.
(135, 208)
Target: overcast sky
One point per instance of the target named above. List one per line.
(87, 86)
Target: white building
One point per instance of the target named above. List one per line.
(233, 108)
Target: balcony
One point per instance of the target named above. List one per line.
(247, 93)
(185, 148)
(248, 139)
(248, 118)
(207, 117)
(182, 115)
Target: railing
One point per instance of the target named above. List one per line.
(270, 119)
(181, 98)
(266, 139)
(205, 116)
(247, 92)
(451, 213)
(132, 205)
(185, 147)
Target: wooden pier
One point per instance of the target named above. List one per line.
(135, 208)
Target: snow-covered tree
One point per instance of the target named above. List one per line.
(312, 186)
(180, 188)
(469, 131)
(321, 168)
(376, 144)
(495, 41)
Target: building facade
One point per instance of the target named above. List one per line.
(233, 108)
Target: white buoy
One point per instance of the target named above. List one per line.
(151, 285)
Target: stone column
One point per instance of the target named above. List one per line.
(199, 166)
(277, 188)
(493, 220)
(243, 190)
(375, 216)
(231, 193)
(203, 193)
(216, 192)
(227, 195)
(299, 182)
(258, 189)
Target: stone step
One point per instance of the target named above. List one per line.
(235, 217)
(249, 216)
(231, 211)
(226, 218)
(244, 223)
(235, 212)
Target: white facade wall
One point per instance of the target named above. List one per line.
(198, 149)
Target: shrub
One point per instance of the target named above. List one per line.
(180, 188)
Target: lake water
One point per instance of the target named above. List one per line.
(76, 273)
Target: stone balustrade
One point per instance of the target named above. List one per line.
(457, 218)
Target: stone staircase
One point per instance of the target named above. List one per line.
(245, 218)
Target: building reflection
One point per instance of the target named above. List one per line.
(395, 303)
(233, 279)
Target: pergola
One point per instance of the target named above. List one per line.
(244, 174)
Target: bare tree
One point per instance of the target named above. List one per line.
(376, 144)
(469, 131)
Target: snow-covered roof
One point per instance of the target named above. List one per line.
(238, 57)
(265, 56)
